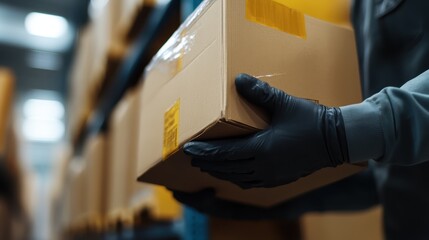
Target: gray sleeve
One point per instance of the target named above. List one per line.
(392, 126)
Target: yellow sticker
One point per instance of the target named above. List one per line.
(276, 15)
(171, 130)
(334, 11)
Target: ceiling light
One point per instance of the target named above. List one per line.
(45, 25)
(43, 130)
(43, 109)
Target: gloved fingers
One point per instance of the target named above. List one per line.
(229, 149)
(227, 166)
(258, 92)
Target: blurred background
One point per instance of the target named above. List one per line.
(69, 73)
(37, 44)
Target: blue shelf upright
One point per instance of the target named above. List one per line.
(188, 6)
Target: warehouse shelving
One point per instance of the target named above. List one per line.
(148, 39)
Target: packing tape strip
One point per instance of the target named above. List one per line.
(171, 130)
(275, 15)
(182, 52)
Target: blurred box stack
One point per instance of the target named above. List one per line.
(98, 191)
(14, 207)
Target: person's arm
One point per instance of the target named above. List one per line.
(392, 126)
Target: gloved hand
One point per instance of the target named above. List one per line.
(354, 193)
(303, 137)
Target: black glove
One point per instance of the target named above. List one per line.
(303, 137)
(350, 194)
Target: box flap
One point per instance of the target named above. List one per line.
(178, 168)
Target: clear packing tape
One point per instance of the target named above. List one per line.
(284, 15)
(180, 43)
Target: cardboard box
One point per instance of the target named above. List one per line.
(103, 37)
(127, 15)
(59, 200)
(189, 91)
(358, 225)
(122, 152)
(227, 229)
(76, 195)
(80, 79)
(126, 196)
(96, 175)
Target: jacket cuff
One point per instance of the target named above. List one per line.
(364, 132)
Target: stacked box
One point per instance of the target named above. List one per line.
(126, 196)
(80, 91)
(97, 164)
(122, 153)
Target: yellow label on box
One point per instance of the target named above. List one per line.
(276, 15)
(334, 11)
(171, 130)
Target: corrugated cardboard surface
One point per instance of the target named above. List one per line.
(218, 46)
